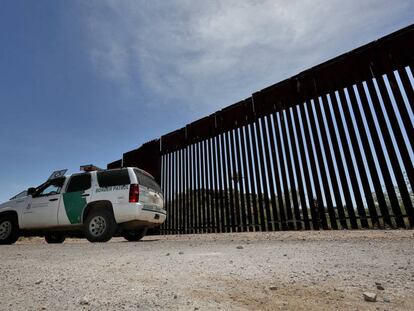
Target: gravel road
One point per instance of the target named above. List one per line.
(238, 271)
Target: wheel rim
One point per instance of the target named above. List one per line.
(5, 229)
(97, 226)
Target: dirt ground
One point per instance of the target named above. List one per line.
(240, 271)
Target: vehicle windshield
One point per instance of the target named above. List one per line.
(20, 195)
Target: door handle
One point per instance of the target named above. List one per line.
(85, 195)
(51, 200)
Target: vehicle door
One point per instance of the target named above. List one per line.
(75, 198)
(42, 210)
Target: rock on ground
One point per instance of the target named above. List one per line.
(370, 297)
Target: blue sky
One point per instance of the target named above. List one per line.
(84, 81)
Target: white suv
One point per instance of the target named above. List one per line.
(97, 205)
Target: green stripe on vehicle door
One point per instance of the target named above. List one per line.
(74, 205)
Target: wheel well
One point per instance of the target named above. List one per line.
(11, 213)
(97, 205)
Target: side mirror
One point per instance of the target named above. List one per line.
(31, 191)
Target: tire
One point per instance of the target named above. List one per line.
(9, 230)
(54, 238)
(100, 225)
(134, 235)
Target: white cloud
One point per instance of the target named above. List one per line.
(209, 54)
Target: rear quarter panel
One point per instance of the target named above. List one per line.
(119, 198)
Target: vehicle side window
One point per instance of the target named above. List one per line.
(113, 178)
(50, 188)
(79, 183)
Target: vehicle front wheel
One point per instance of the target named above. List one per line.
(100, 225)
(9, 230)
(54, 238)
(134, 235)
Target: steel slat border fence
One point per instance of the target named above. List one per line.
(330, 148)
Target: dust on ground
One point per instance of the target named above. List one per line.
(325, 270)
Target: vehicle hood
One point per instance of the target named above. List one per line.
(9, 204)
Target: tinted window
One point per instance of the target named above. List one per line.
(147, 181)
(113, 178)
(50, 188)
(79, 183)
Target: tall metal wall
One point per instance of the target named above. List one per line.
(330, 148)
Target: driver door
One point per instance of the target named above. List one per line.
(42, 210)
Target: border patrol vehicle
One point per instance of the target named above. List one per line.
(96, 204)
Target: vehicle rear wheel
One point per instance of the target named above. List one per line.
(54, 238)
(100, 225)
(134, 235)
(9, 230)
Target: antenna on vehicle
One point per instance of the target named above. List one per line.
(89, 168)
